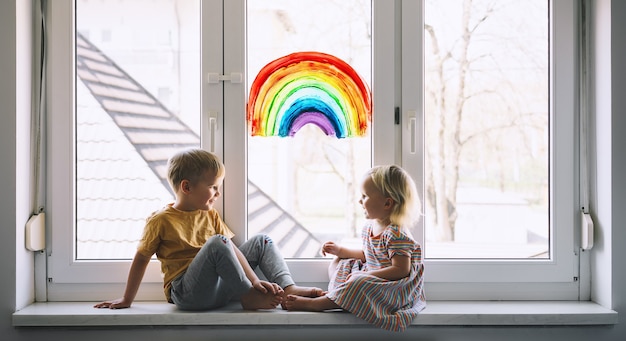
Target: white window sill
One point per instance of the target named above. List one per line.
(500, 313)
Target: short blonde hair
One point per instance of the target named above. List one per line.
(396, 183)
(191, 164)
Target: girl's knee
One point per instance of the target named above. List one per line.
(333, 264)
(358, 278)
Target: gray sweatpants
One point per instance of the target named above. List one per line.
(215, 276)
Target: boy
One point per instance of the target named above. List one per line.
(202, 267)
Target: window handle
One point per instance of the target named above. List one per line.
(233, 77)
(211, 131)
(586, 231)
(413, 131)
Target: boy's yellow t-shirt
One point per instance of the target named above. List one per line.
(177, 236)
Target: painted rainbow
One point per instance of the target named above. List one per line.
(309, 87)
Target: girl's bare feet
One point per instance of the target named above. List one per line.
(254, 299)
(300, 303)
(304, 291)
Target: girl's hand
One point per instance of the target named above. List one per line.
(331, 248)
(119, 303)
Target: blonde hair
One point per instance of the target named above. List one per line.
(395, 183)
(191, 164)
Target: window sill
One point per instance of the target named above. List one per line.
(450, 313)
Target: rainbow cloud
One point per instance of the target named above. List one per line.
(309, 87)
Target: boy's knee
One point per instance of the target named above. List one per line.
(218, 240)
(261, 239)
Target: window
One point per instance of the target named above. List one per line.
(129, 118)
(471, 277)
(303, 189)
(486, 123)
(388, 44)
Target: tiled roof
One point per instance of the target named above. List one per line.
(125, 138)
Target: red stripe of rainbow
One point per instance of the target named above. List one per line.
(309, 87)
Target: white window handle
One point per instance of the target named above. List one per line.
(210, 131)
(413, 131)
(233, 77)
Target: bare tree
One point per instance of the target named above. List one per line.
(458, 86)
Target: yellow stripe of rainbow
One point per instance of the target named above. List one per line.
(309, 87)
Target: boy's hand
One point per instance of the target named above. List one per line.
(119, 303)
(265, 287)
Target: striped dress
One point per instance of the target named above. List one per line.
(390, 305)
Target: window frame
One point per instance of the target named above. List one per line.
(558, 277)
(393, 42)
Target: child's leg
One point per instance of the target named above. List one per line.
(299, 303)
(261, 251)
(212, 279)
(332, 267)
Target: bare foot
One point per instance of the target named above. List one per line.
(300, 303)
(254, 299)
(304, 291)
(301, 291)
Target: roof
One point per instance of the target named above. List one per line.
(125, 137)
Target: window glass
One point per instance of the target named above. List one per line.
(309, 142)
(137, 102)
(486, 129)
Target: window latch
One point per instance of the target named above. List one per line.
(233, 77)
(586, 231)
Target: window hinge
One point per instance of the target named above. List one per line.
(233, 77)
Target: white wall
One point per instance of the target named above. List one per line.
(601, 196)
(618, 158)
(24, 189)
(8, 109)
(16, 264)
(15, 115)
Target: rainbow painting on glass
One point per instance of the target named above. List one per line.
(309, 87)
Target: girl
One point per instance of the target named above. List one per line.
(381, 283)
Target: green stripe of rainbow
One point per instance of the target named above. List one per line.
(309, 87)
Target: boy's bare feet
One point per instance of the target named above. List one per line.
(254, 299)
(300, 303)
(301, 291)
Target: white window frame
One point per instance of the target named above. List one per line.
(396, 38)
(557, 278)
